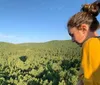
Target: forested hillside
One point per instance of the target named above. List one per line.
(49, 63)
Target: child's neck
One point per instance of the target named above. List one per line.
(92, 34)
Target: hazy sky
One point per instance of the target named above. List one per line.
(36, 20)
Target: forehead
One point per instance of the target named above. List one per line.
(72, 30)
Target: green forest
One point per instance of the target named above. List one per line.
(50, 63)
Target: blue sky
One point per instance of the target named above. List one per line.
(36, 20)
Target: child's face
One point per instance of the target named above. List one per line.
(77, 35)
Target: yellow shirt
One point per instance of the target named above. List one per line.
(91, 61)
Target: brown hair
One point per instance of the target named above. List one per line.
(86, 16)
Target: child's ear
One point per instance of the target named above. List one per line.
(84, 27)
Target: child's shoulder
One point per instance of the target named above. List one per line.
(92, 41)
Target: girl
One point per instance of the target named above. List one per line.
(82, 28)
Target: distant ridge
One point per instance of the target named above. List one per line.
(35, 42)
(49, 44)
